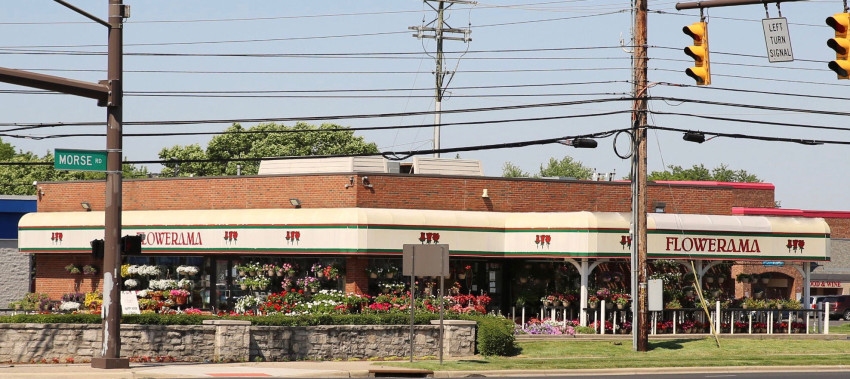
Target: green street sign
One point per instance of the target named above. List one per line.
(80, 160)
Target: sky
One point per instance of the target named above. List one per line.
(564, 62)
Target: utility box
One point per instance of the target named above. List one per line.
(655, 295)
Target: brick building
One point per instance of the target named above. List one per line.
(216, 223)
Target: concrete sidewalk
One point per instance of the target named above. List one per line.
(322, 369)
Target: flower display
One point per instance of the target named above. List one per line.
(179, 292)
(547, 326)
(308, 282)
(73, 269)
(89, 270)
(186, 284)
(131, 283)
(187, 270)
(144, 270)
(69, 306)
(162, 284)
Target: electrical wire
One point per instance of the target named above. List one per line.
(391, 155)
(5, 133)
(755, 137)
(331, 117)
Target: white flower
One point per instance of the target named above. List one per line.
(186, 283)
(131, 283)
(187, 270)
(69, 306)
(142, 293)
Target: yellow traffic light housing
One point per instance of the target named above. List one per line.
(841, 65)
(701, 71)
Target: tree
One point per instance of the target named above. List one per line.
(721, 173)
(261, 141)
(566, 167)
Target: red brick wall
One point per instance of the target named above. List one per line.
(52, 278)
(839, 227)
(356, 278)
(399, 191)
(754, 198)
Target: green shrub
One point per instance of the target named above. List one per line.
(79, 318)
(495, 335)
(585, 330)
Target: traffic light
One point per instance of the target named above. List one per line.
(841, 23)
(131, 245)
(699, 52)
(97, 249)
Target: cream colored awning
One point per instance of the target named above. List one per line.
(384, 231)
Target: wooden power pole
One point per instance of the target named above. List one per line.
(640, 314)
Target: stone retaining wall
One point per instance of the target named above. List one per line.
(227, 340)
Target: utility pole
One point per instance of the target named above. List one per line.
(439, 27)
(640, 328)
(108, 93)
(111, 349)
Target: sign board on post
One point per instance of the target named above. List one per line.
(431, 260)
(655, 295)
(129, 303)
(425, 260)
(79, 160)
(777, 39)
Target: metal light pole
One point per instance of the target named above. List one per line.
(111, 349)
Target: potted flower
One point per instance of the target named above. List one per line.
(743, 278)
(621, 300)
(546, 301)
(187, 270)
(180, 296)
(673, 304)
(270, 269)
(261, 283)
(603, 293)
(390, 271)
(89, 270)
(330, 272)
(185, 283)
(245, 282)
(765, 278)
(592, 302)
(131, 283)
(373, 272)
(73, 269)
(286, 269)
(709, 279)
(567, 299)
(462, 274)
(309, 283)
(317, 270)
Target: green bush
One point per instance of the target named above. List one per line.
(79, 318)
(495, 335)
(585, 330)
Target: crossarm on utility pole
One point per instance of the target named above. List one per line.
(95, 91)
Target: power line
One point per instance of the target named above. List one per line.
(324, 130)
(392, 155)
(754, 91)
(760, 122)
(755, 137)
(332, 117)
